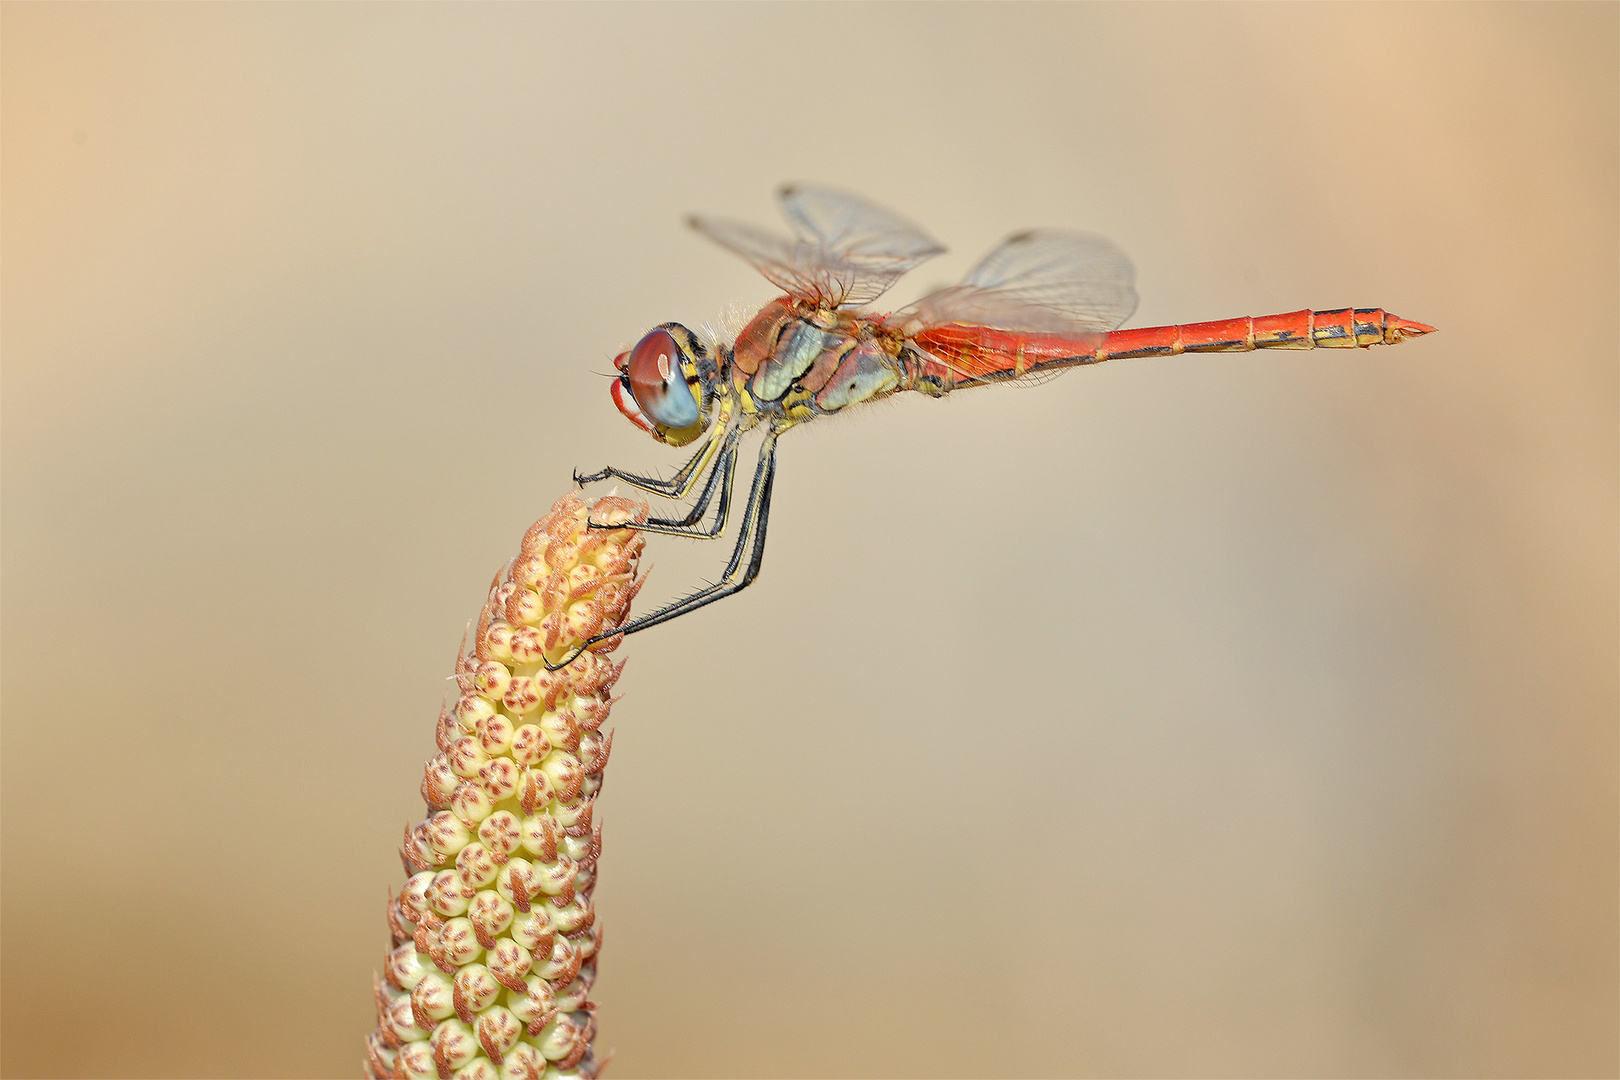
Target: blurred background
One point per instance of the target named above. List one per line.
(1221, 715)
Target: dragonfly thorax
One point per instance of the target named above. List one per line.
(801, 361)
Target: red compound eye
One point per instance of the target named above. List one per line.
(658, 384)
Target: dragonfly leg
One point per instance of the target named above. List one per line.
(754, 519)
(721, 476)
(678, 486)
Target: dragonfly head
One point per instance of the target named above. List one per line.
(665, 384)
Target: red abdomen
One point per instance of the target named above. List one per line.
(959, 355)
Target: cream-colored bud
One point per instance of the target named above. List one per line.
(449, 894)
(454, 1044)
(529, 745)
(457, 944)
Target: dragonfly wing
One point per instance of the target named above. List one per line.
(773, 255)
(847, 252)
(853, 227)
(1036, 286)
(1045, 281)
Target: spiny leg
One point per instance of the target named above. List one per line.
(721, 476)
(720, 471)
(678, 486)
(754, 519)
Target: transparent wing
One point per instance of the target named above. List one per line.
(846, 251)
(854, 227)
(1045, 281)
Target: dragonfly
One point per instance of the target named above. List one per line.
(1041, 303)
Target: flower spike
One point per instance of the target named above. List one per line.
(494, 935)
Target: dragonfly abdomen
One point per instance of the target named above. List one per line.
(1343, 328)
(956, 356)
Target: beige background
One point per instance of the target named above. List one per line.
(1227, 715)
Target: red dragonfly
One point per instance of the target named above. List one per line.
(1042, 302)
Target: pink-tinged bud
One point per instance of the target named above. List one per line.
(477, 865)
(522, 696)
(524, 607)
(528, 646)
(523, 1062)
(495, 735)
(560, 1038)
(438, 782)
(590, 713)
(540, 833)
(529, 745)
(534, 790)
(501, 833)
(529, 570)
(426, 935)
(400, 928)
(490, 914)
(562, 769)
(469, 804)
(574, 817)
(454, 1045)
(594, 750)
(537, 1003)
(467, 756)
(561, 729)
(588, 942)
(516, 882)
(495, 643)
(572, 996)
(405, 967)
(446, 834)
(414, 1061)
(447, 730)
(561, 966)
(582, 579)
(413, 898)
(433, 999)
(509, 963)
(479, 1068)
(499, 778)
(498, 1032)
(491, 680)
(456, 945)
(555, 877)
(475, 990)
(583, 620)
(470, 709)
(533, 931)
(400, 1022)
(580, 848)
(380, 1056)
(449, 894)
(573, 916)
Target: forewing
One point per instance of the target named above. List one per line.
(847, 252)
(1045, 281)
(773, 255)
(853, 227)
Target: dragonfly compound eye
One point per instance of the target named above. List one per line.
(658, 383)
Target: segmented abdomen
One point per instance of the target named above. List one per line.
(957, 355)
